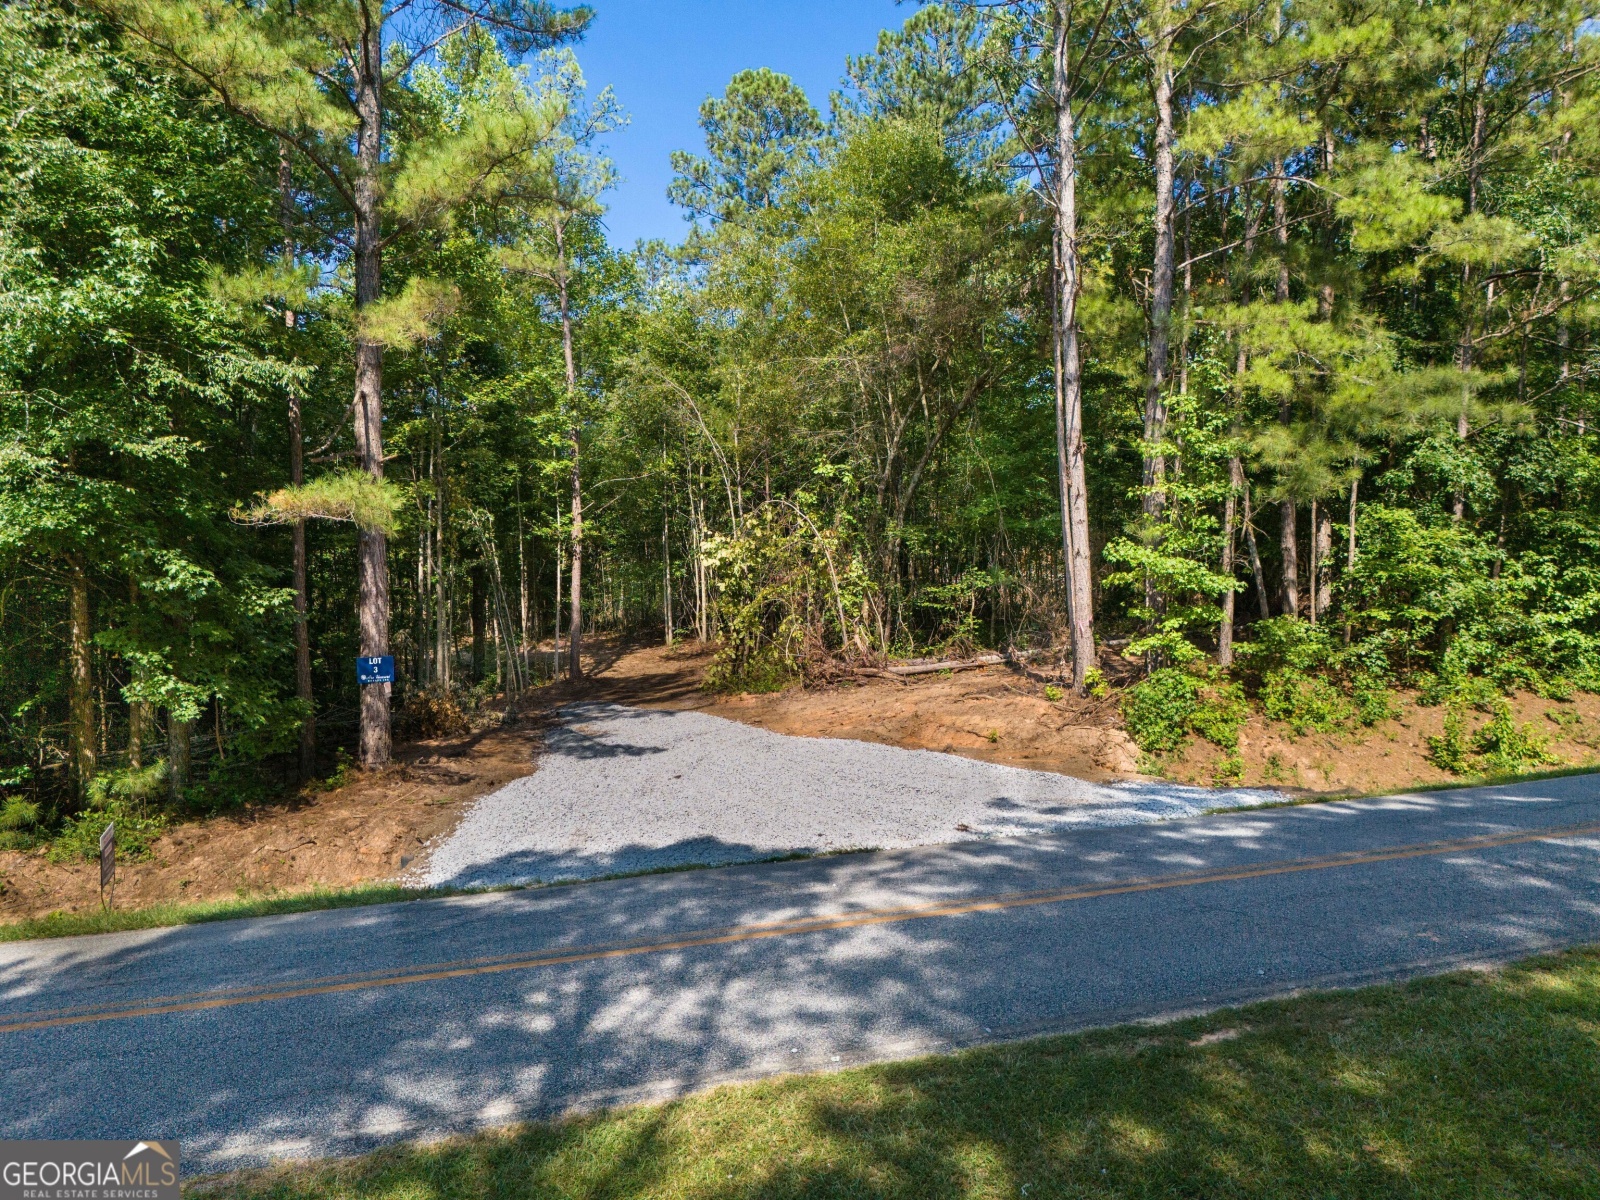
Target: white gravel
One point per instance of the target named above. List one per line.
(623, 789)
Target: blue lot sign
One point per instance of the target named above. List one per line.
(378, 669)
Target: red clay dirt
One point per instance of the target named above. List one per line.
(370, 828)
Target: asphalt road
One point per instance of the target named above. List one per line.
(328, 1033)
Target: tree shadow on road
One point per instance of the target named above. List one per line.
(1467, 1085)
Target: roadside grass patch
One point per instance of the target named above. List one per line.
(1467, 1085)
(198, 912)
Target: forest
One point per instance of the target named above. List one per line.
(1255, 339)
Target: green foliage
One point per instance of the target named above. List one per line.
(1308, 703)
(1159, 708)
(353, 496)
(138, 786)
(793, 600)
(79, 836)
(1052, 693)
(1450, 750)
(19, 823)
(1506, 748)
(1499, 747)
(1222, 712)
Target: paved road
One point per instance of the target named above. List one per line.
(332, 1032)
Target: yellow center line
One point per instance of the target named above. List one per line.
(728, 935)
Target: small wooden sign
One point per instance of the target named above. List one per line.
(108, 858)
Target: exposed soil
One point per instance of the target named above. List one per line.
(373, 826)
(997, 714)
(1391, 755)
(359, 833)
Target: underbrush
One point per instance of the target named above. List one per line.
(1296, 675)
(1499, 747)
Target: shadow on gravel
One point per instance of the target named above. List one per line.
(467, 1045)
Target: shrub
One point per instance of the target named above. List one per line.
(1508, 748)
(1157, 710)
(19, 824)
(1052, 693)
(80, 835)
(132, 785)
(764, 670)
(1308, 703)
(1222, 712)
(1448, 750)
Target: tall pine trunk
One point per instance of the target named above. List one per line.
(297, 476)
(1069, 369)
(1288, 539)
(1161, 278)
(80, 677)
(575, 630)
(372, 546)
(1468, 303)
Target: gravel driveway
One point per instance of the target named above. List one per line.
(622, 789)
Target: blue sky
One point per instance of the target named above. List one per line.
(663, 57)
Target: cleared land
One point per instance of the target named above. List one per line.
(371, 830)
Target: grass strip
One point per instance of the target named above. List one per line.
(232, 908)
(1474, 1084)
(196, 912)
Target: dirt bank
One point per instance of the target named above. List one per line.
(367, 829)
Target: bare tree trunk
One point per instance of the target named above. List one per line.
(1229, 516)
(1073, 479)
(1322, 572)
(1289, 545)
(1255, 556)
(1161, 280)
(141, 713)
(522, 573)
(575, 630)
(1468, 303)
(179, 737)
(80, 677)
(443, 647)
(478, 614)
(666, 577)
(372, 545)
(297, 476)
(561, 566)
(1350, 548)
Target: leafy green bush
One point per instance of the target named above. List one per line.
(1507, 748)
(763, 670)
(1449, 750)
(80, 835)
(132, 785)
(1308, 703)
(1162, 710)
(19, 824)
(1373, 699)
(1157, 709)
(1222, 712)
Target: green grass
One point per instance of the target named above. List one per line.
(198, 912)
(1468, 1085)
(116, 920)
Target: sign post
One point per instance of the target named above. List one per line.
(377, 668)
(108, 865)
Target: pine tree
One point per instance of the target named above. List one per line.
(322, 78)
